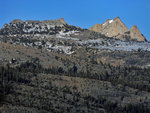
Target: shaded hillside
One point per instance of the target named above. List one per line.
(31, 88)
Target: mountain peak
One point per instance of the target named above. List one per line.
(111, 28)
(134, 27)
(62, 20)
(16, 21)
(117, 18)
(96, 27)
(136, 34)
(116, 28)
(18, 26)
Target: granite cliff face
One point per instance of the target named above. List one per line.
(116, 28)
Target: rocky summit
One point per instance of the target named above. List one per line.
(52, 67)
(117, 29)
(32, 27)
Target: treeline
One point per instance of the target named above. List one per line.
(113, 107)
(127, 76)
(135, 77)
(19, 74)
(132, 76)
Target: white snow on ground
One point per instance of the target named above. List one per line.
(38, 43)
(110, 21)
(90, 41)
(37, 28)
(125, 46)
(48, 44)
(67, 38)
(104, 24)
(65, 49)
(63, 36)
(116, 45)
(50, 26)
(67, 33)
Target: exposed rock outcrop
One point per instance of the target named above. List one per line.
(62, 20)
(96, 27)
(16, 21)
(31, 27)
(18, 26)
(117, 29)
(136, 34)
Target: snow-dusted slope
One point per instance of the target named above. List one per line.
(55, 36)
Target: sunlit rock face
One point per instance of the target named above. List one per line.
(117, 29)
(135, 33)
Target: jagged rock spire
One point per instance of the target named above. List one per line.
(62, 20)
(116, 28)
(136, 34)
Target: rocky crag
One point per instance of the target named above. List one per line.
(117, 29)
